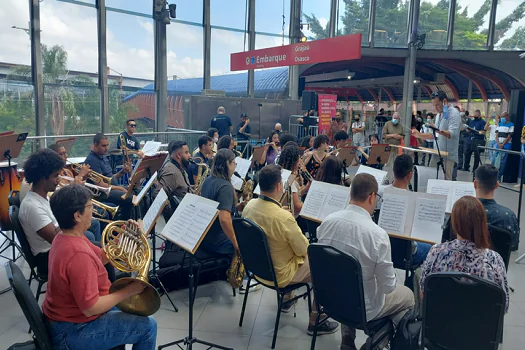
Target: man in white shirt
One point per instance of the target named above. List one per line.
(353, 231)
(41, 171)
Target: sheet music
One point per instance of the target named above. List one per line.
(454, 190)
(378, 174)
(137, 199)
(135, 168)
(151, 148)
(314, 202)
(429, 217)
(394, 213)
(154, 210)
(190, 221)
(461, 189)
(438, 187)
(242, 166)
(324, 199)
(285, 174)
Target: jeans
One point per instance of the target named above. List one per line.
(493, 154)
(95, 230)
(225, 247)
(427, 144)
(112, 329)
(503, 161)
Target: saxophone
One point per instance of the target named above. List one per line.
(236, 272)
(202, 174)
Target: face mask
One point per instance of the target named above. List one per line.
(216, 140)
(357, 119)
(503, 120)
(462, 114)
(419, 120)
(338, 120)
(395, 121)
(476, 117)
(428, 120)
(445, 108)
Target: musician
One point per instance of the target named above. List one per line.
(98, 161)
(285, 137)
(312, 160)
(132, 142)
(226, 142)
(61, 151)
(220, 239)
(331, 171)
(214, 135)
(288, 246)
(486, 183)
(476, 139)
(353, 231)
(470, 251)
(41, 170)
(205, 149)
(341, 139)
(173, 176)
(307, 142)
(272, 148)
(290, 159)
(403, 172)
(448, 121)
(374, 140)
(77, 304)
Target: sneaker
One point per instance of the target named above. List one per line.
(287, 306)
(253, 287)
(327, 327)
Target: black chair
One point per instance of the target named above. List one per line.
(501, 243)
(257, 260)
(26, 250)
(461, 311)
(32, 312)
(342, 299)
(14, 198)
(312, 230)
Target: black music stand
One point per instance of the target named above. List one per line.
(347, 154)
(379, 155)
(441, 161)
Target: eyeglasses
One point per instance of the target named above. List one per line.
(377, 195)
(132, 125)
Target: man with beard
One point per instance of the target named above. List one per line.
(173, 177)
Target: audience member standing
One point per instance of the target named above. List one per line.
(222, 122)
(504, 137)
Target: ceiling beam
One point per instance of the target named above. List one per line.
(374, 95)
(389, 93)
(453, 88)
(359, 97)
(475, 79)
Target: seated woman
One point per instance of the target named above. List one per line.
(290, 160)
(365, 153)
(307, 142)
(78, 305)
(331, 172)
(469, 252)
(226, 142)
(271, 148)
(312, 160)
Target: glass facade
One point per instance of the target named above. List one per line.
(471, 25)
(510, 25)
(433, 21)
(316, 13)
(353, 18)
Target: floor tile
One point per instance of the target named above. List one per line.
(224, 318)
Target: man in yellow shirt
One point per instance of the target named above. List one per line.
(288, 246)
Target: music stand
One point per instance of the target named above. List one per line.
(441, 161)
(257, 157)
(67, 143)
(379, 155)
(347, 154)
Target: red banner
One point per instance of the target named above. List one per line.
(341, 48)
(343, 92)
(327, 106)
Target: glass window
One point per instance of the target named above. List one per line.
(510, 25)
(230, 15)
(391, 24)
(316, 13)
(224, 43)
(139, 6)
(269, 16)
(352, 18)
(471, 25)
(187, 10)
(265, 41)
(433, 21)
(185, 56)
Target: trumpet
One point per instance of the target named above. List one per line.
(101, 210)
(92, 175)
(97, 190)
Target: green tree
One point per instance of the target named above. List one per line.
(516, 41)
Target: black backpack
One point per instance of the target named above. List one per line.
(408, 332)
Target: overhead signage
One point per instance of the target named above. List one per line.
(341, 48)
(334, 91)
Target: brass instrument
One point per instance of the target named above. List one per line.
(101, 210)
(92, 175)
(128, 250)
(202, 173)
(125, 150)
(97, 190)
(67, 172)
(287, 197)
(236, 272)
(305, 175)
(247, 190)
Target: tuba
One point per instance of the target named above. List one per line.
(127, 249)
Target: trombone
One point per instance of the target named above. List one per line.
(92, 175)
(101, 210)
(125, 150)
(97, 190)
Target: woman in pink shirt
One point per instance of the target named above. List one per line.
(78, 306)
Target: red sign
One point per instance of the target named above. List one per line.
(334, 91)
(327, 106)
(341, 48)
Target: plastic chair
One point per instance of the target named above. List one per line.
(501, 243)
(462, 311)
(257, 260)
(342, 299)
(312, 230)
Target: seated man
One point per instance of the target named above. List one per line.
(403, 171)
(341, 139)
(288, 246)
(173, 176)
(205, 152)
(485, 183)
(353, 231)
(40, 226)
(98, 161)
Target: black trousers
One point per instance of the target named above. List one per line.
(125, 205)
(473, 148)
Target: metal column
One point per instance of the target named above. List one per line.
(251, 46)
(372, 23)
(36, 70)
(102, 66)
(207, 44)
(293, 71)
(333, 18)
(161, 76)
(492, 25)
(469, 97)
(450, 27)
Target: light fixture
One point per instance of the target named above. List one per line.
(417, 81)
(302, 38)
(173, 10)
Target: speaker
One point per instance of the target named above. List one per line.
(309, 100)
(517, 117)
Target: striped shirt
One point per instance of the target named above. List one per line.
(505, 130)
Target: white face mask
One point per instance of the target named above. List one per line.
(216, 140)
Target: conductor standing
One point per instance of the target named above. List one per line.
(447, 124)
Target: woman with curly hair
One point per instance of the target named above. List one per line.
(313, 159)
(290, 160)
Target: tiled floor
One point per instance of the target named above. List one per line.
(216, 314)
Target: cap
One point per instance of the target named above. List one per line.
(244, 115)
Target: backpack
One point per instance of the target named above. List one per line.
(408, 332)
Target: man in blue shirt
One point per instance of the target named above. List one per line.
(475, 139)
(244, 133)
(504, 138)
(222, 122)
(98, 162)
